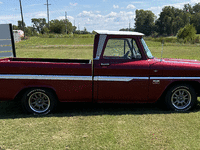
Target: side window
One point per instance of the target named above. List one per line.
(121, 49)
(136, 50)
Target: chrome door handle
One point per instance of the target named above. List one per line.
(105, 64)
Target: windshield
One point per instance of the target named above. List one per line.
(148, 52)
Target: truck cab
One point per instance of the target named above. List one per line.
(121, 67)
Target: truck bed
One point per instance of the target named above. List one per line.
(80, 61)
(71, 79)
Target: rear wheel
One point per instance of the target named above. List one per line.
(39, 101)
(181, 98)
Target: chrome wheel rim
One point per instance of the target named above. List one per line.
(181, 99)
(39, 102)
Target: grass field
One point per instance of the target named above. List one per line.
(37, 41)
(83, 49)
(100, 126)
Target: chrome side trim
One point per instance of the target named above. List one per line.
(115, 78)
(65, 77)
(174, 78)
(102, 39)
(45, 77)
(89, 78)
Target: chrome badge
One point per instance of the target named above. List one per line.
(156, 81)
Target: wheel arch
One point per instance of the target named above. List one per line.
(194, 84)
(20, 94)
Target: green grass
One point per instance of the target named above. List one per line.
(175, 50)
(72, 48)
(72, 52)
(37, 41)
(100, 126)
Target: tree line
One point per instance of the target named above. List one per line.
(40, 26)
(169, 22)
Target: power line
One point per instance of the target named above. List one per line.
(47, 11)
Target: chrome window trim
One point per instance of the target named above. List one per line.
(102, 39)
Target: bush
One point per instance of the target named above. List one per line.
(187, 34)
(52, 36)
(24, 38)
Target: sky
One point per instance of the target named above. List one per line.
(91, 14)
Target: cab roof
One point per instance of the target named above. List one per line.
(118, 32)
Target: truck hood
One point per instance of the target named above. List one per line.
(181, 61)
(177, 67)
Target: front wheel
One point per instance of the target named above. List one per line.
(39, 101)
(181, 98)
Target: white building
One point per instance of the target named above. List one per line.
(17, 35)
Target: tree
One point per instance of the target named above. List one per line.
(188, 33)
(20, 26)
(59, 26)
(15, 27)
(30, 31)
(196, 8)
(39, 24)
(144, 21)
(195, 20)
(93, 32)
(85, 31)
(176, 24)
(171, 20)
(126, 29)
(188, 8)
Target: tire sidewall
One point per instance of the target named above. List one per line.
(175, 88)
(28, 93)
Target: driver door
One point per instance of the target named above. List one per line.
(121, 75)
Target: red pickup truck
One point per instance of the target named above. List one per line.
(123, 70)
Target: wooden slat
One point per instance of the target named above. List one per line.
(4, 31)
(5, 48)
(6, 54)
(5, 42)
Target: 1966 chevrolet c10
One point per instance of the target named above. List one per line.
(123, 70)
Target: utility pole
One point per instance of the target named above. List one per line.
(66, 21)
(74, 25)
(22, 17)
(47, 11)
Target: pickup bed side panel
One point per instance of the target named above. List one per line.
(72, 82)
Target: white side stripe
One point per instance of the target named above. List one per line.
(65, 77)
(174, 78)
(89, 78)
(45, 77)
(114, 78)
